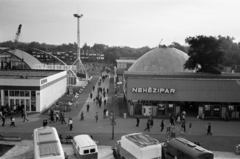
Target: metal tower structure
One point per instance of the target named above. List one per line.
(79, 64)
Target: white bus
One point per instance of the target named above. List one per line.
(47, 144)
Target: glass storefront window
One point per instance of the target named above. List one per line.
(11, 93)
(17, 93)
(207, 111)
(170, 109)
(216, 111)
(21, 93)
(6, 101)
(161, 109)
(33, 93)
(33, 106)
(6, 93)
(33, 101)
(26, 93)
(231, 108)
(27, 105)
(17, 102)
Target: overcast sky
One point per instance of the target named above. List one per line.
(134, 23)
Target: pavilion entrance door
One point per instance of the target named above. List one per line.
(21, 101)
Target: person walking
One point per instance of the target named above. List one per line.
(148, 125)
(63, 119)
(105, 102)
(3, 119)
(45, 123)
(104, 112)
(90, 95)
(25, 116)
(70, 123)
(51, 116)
(151, 122)
(96, 116)
(22, 110)
(76, 104)
(172, 121)
(183, 126)
(57, 117)
(100, 102)
(162, 125)
(82, 116)
(88, 106)
(138, 121)
(190, 128)
(13, 121)
(209, 127)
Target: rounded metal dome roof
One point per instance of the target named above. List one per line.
(160, 60)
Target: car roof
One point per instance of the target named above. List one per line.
(84, 141)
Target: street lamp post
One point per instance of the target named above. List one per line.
(78, 16)
(113, 117)
(114, 104)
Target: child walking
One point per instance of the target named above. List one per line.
(13, 121)
(190, 128)
(96, 116)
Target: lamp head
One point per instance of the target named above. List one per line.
(78, 15)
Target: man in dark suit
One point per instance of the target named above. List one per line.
(209, 129)
(148, 125)
(138, 120)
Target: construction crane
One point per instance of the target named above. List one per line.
(17, 37)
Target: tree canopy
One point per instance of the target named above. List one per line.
(205, 54)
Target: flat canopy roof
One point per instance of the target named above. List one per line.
(30, 74)
(126, 61)
(189, 75)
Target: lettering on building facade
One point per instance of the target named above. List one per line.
(154, 90)
(44, 81)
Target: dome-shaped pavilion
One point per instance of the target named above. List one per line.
(160, 60)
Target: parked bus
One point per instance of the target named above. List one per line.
(181, 148)
(47, 144)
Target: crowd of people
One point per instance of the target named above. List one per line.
(7, 112)
(98, 95)
(180, 119)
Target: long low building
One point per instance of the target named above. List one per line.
(156, 84)
(35, 90)
(172, 93)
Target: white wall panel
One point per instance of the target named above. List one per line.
(53, 92)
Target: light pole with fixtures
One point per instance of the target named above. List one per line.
(79, 63)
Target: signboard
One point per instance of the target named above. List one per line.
(154, 90)
(55, 67)
(43, 81)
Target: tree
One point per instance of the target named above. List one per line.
(100, 48)
(232, 51)
(85, 48)
(205, 54)
(179, 47)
